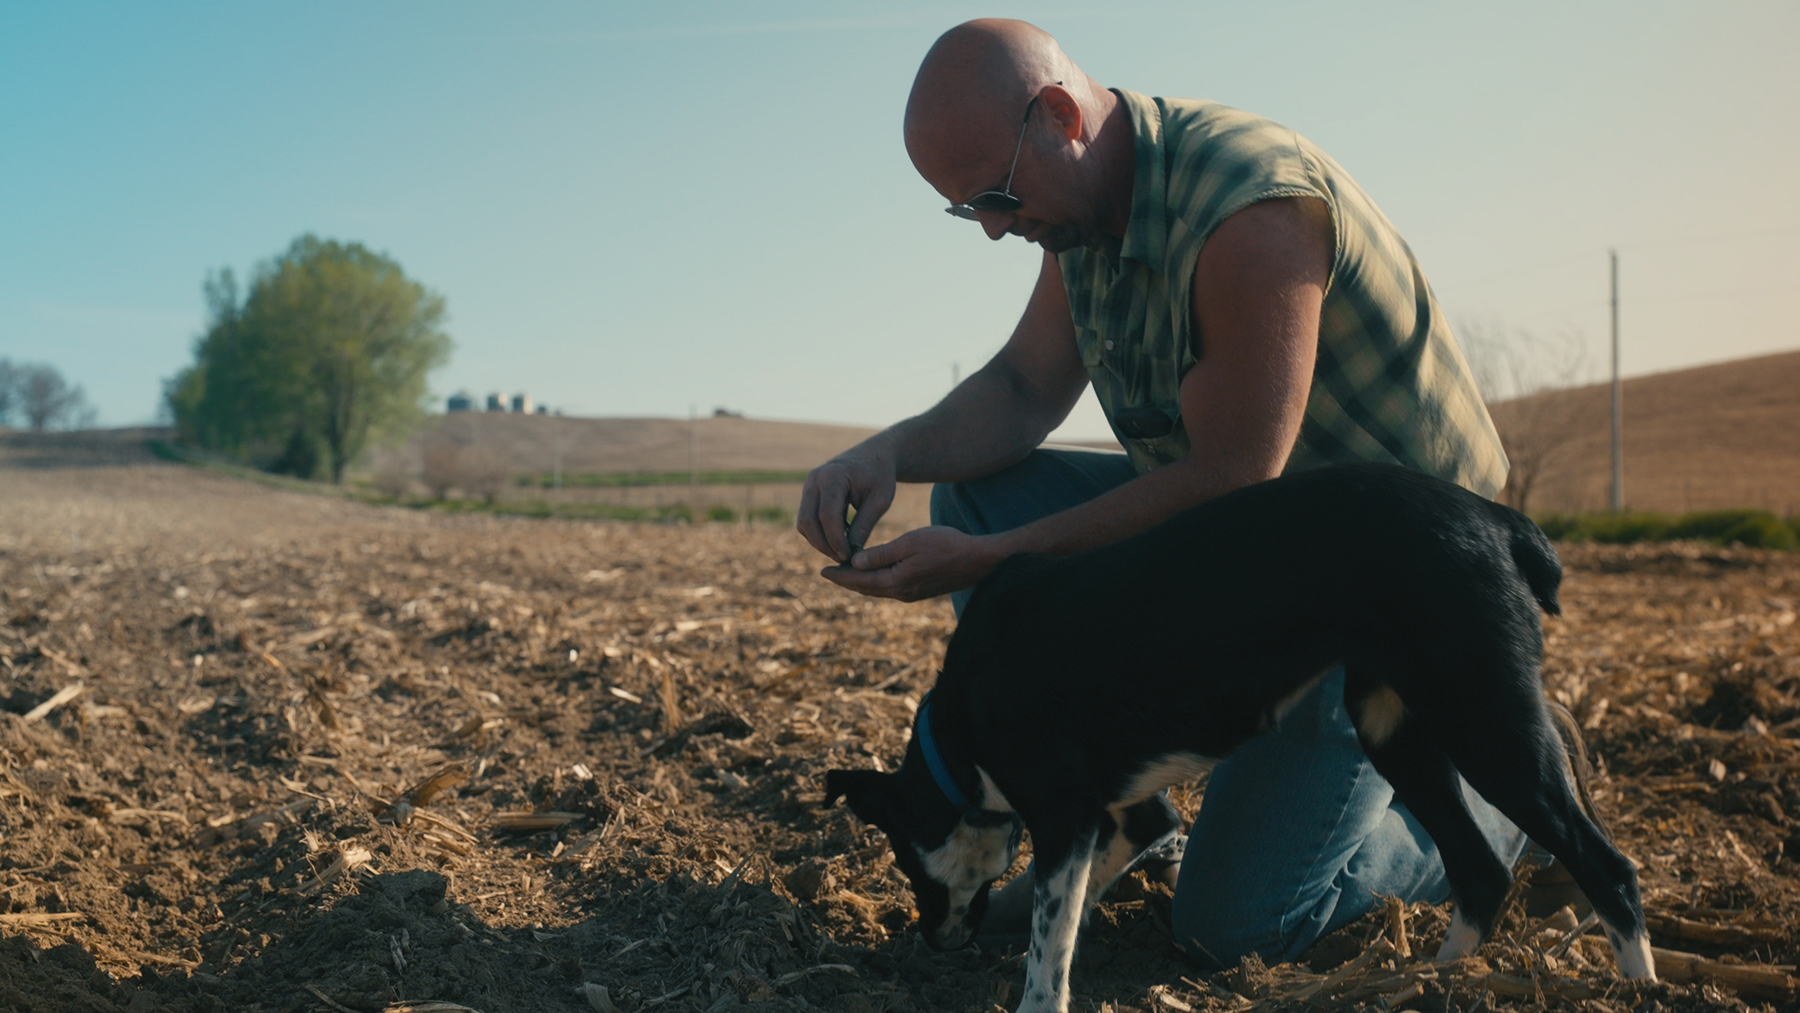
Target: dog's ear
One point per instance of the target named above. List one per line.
(868, 792)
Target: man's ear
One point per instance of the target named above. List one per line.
(1062, 110)
(869, 792)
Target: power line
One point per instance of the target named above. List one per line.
(1618, 414)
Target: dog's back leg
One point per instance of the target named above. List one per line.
(1425, 781)
(1124, 836)
(1528, 780)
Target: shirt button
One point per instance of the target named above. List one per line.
(1109, 346)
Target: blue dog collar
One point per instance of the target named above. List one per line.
(934, 762)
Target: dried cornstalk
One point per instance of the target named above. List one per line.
(29, 919)
(1381, 949)
(1710, 932)
(344, 861)
(1765, 980)
(328, 716)
(529, 821)
(1383, 984)
(439, 821)
(1549, 986)
(446, 844)
(671, 709)
(63, 696)
(1396, 915)
(68, 665)
(127, 813)
(400, 812)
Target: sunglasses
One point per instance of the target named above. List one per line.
(1001, 199)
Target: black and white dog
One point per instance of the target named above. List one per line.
(1076, 688)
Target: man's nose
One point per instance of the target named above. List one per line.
(997, 225)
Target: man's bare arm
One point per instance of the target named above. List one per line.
(1258, 288)
(989, 422)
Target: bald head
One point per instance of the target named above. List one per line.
(965, 115)
(979, 76)
(976, 81)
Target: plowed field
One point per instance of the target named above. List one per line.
(266, 751)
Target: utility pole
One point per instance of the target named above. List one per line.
(556, 442)
(955, 375)
(1618, 413)
(559, 436)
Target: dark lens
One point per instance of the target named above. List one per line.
(994, 200)
(1144, 423)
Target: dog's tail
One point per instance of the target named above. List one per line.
(1536, 559)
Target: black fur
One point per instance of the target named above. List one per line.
(1067, 676)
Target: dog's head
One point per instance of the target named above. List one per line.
(950, 859)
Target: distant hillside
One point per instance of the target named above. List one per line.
(1712, 437)
(533, 443)
(82, 449)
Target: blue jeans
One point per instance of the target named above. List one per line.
(1298, 835)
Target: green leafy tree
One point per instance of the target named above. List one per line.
(327, 350)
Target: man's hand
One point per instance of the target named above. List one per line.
(862, 477)
(919, 564)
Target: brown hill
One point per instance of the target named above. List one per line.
(514, 445)
(531, 443)
(1712, 437)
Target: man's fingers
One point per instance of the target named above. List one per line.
(821, 517)
(868, 514)
(878, 583)
(807, 520)
(877, 557)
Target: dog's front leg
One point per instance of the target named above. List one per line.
(1057, 906)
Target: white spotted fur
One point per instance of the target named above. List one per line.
(1163, 771)
(1461, 939)
(970, 857)
(1053, 936)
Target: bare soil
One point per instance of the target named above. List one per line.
(328, 756)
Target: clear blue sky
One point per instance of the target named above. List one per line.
(632, 209)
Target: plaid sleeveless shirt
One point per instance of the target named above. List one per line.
(1389, 383)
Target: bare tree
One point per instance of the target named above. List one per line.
(9, 388)
(47, 401)
(455, 457)
(441, 467)
(484, 471)
(1519, 375)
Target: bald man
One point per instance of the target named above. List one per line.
(1241, 308)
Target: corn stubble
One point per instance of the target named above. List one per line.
(327, 756)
